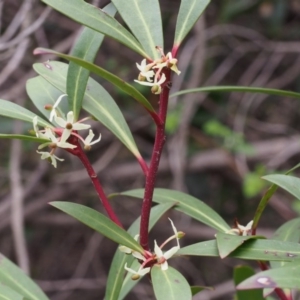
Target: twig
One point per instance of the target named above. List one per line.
(17, 213)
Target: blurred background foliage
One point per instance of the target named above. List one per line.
(218, 144)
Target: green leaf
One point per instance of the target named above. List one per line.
(118, 82)
(86, 47)
(146, 23)
(265, 250)
(23, 137)
(15, 111)
(197, 289)
(241, 273)
(289, 183)
(241, 89)
(97, 101)
(14, 278)
(290, 232)
(117, 286)
(285, 277)
(227, 243)
(96, 19)
(42, 93)
(100, 223)
(265, 199)
(187, 204)
(7, 293)
(189, 13)
(169, 284)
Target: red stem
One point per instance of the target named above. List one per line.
(282, 295)
(155, 159)
(94, 178)
(143, 165)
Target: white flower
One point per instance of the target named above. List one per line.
(137, 274)
(241, 230)
(169, 62)
(61, 143)
(53, 112)
(173, 63)
(38, 133)
(134, 253)
(51, 156)
(88, 140)
(245, 229)
(69, 123)
(145, 70)
(156, 84)
(163, 257)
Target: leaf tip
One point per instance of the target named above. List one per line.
(38, 51)
(257, 283)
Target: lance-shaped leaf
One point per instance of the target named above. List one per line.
(240, 89)
(240, 274)
(265, 199)
(146, 24)
(189, 13)
(117, 287)
(290, 232)
(285, 277)
(14, 278)
(23, 138)
(7, 293)
(86, 47)
(187, 204)
(265, 250)
(96, 19)
(97, 100)
(100, 223)
(227, 243)
(289, 183)
(115, 80)
(15, 111)
(169, 284)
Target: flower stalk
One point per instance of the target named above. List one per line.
(78, 151)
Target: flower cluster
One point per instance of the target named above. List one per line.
(240, 229)
(151, 74)
(58, 136)
(158, 257)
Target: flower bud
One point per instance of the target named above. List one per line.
(156, 89)
(48, 107)
(52, 145)
(141, 77)
(87, 147)
(135, 277)
(180, 234)
(32, 132)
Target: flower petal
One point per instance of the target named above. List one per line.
(60, 121)
(53, 111)
(157, 250)
(138, 255)
(168, 254)
(70, 117)
(81, 126)
(164, 266)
